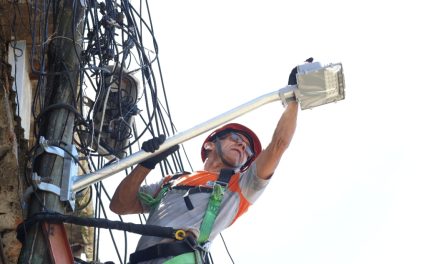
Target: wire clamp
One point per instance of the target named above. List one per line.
(39, 183)
(70, 169)
(287, 94)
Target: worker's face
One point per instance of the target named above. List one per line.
(236, 148)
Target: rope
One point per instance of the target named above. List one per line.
(141, 229)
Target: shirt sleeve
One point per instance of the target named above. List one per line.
(251, 185)
(151, 190)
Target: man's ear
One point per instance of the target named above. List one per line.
(208, 145)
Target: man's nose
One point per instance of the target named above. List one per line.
(241, 144)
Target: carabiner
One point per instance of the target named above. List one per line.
(180, 234)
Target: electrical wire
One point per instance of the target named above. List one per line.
(118, 42)
(227, 250)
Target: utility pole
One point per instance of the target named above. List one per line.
(56, 125)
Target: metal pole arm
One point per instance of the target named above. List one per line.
(83, 181)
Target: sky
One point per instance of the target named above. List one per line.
(360, 181)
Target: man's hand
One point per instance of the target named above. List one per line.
(292, 76)
(151, 146)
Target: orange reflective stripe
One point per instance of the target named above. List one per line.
(201, 178)
(244, 203)
(198, 178)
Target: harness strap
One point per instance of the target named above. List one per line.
(153, 200)
(214, 203)
(161, 251)
(187, 258)
(225, 176)
(187, 249)
(192, 190)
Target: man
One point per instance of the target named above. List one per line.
(234, 163)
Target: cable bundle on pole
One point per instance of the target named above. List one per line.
(117, 97)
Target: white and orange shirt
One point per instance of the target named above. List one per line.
(243, 190)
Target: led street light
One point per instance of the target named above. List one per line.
(319, 85)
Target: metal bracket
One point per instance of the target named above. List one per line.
(44, 186)
(70, 169)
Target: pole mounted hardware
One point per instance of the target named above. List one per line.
(70, 169)
(316, 86)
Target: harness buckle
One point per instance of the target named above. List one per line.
(192, 242)
(222, 183)
(206, 246)
(201, 251)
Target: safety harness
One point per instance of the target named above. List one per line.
(188, 250)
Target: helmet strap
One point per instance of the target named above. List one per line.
(218, 149)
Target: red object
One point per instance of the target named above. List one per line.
(248, 133)
(58, 243)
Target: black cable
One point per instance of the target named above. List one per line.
(80, 208)
(227, 250)
(122, 45)
(120, 218)
(101, 206)
(51, 217)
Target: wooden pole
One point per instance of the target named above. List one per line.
(61, 90)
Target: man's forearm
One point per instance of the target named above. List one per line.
(285, 128)
(282, 136)
(125, 200)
